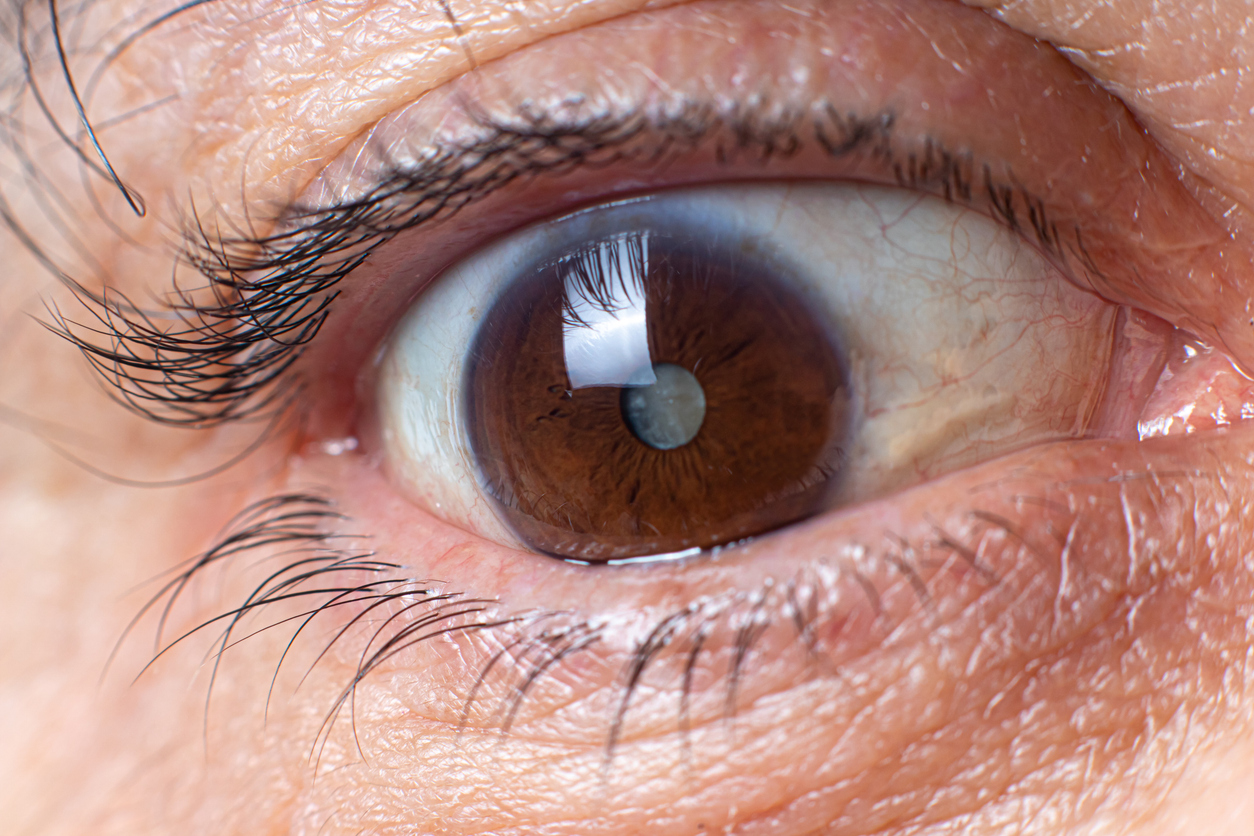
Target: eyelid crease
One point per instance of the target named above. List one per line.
(224, 350)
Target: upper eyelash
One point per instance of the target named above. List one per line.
(266, 297)
(222, 351)
(202, 361)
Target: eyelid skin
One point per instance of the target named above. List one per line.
(1204, 90)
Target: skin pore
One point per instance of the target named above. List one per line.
(1076, 661)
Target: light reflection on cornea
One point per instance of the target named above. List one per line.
(669, 557)
(605, 325)
(712, 553)
(339, 446)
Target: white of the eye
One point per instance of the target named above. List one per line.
(961, 338)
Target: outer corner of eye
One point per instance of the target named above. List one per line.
(649, 378)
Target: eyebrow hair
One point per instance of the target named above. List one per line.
(28, 46)
(19, 82)
(14, 27)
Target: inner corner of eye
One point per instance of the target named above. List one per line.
(675, 374)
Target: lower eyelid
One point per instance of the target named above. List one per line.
(993, 593)
(920, 558)
(857, 650)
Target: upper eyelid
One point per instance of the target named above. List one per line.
(230, 357)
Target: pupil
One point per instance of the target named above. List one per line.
(668, 413)
(649, 392)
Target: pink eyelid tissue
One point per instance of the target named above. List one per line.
(1166, 381)
(1198, 388)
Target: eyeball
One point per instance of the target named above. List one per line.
(683, 371)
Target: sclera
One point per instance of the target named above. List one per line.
(939, 308)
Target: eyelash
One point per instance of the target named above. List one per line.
(299, 528)
(297, 524)
(319, 565)
(236, 339)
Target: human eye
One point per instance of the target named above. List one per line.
(680, 372)
(912, 626)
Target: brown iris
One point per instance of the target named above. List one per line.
(648, 394)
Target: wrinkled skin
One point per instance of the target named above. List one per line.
(1087, 672)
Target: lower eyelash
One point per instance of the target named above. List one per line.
(317, 570)
(294, 522)
(399, 613)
